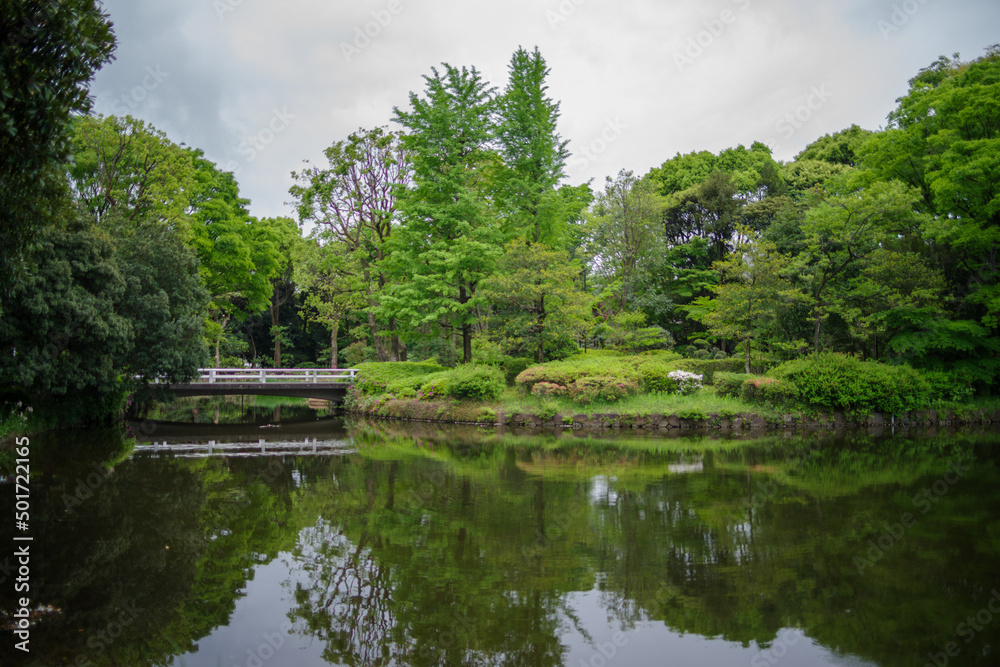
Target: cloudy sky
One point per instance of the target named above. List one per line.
(262, 85)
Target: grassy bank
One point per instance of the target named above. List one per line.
(664, 389)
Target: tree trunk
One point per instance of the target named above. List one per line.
(463, 298)
(334, 352)
(748, 356)
(819, 318)
(276, 322)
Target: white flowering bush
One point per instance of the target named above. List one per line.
(687, 383)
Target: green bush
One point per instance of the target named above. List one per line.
(831, 380)
(768, 390)
(380, 377)
(947, 387)
(434, 386)
(604, 389)
(481, 383)
(514, 366)
(729, 384)
(305, 364)
(543, 389)
(707, 368)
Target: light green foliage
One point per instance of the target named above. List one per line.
(238, 255)
(844, 229)
(127, 168)
(601, 389)
(729, 384)
(646, 371)
(474, 382)
(943, 140)
(830, 380)
(448, 238)
(533, 154)
(535, 299)
(839, 148)
(332, 290)
(380, 377)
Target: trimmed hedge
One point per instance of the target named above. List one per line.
(768, 390)
(395, 377)
(601, 388)
(729, 384)
(831, 380)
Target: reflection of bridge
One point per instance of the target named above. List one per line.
(313, 437)
(326, 383)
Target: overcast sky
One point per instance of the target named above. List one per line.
(262, 85)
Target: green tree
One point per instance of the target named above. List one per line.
(332, 287)
(745, 305)
(353, 201)
(123, 166)
(288, 240)
(448, 238)
(944, 140)
(48, 54)
(625, 235)
(535, 299)
(843, 230)
(238, 256)
(533, 153)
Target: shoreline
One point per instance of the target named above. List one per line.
(485, 415)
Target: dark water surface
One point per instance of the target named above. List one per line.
(365, 544)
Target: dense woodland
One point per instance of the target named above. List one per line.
(451, 234)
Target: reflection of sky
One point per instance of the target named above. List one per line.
(263, 613)
(652, 643)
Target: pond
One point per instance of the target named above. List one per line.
(314, 542)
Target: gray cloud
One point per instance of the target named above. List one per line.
(261, 86)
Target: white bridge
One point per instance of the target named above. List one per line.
(326, 383)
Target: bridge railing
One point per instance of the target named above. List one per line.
(263, 375)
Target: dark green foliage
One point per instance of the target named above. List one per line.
(768, 391)
(947, 387)
(831, 380)
(513, 366)
(49, 52)
(707, 368)
(379, 377)
(729, 384)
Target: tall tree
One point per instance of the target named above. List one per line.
(533, 153)
(625, 235)
(535, 299)
(843, 230)
(49, 52)
(353, 201)
(745, 305)
(449, 237)
(288, 241)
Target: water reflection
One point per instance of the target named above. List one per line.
(438, 547)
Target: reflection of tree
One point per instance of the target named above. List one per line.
(147, 560)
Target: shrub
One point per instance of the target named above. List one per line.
(831, 380)
(707, 368)
(701, 354)
(481, 383)
(514, 366)
(729, 384)
(356, 353)
(947, 387)
(605, 389)
(433, 386)
(685, 383)
(768, 390)
(393, 376)
(544, 389)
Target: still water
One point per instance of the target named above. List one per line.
(317, 542)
